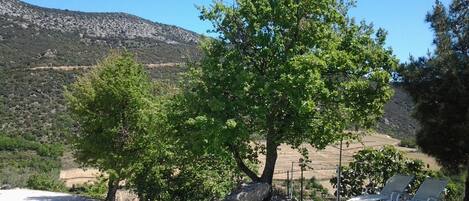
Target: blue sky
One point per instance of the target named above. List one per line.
(403, 19)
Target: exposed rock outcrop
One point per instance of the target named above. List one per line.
(98, 25)
(250, 192)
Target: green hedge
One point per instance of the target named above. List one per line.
(20, 144)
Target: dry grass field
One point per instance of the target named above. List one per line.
(324, 162)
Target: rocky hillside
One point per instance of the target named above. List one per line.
(35, 36)
(397, 120)
(96, 25)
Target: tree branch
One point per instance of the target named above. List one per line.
(242, 165)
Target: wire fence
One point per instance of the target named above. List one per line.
(296, 186)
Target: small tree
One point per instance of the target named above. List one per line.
(287, 71)
(440, 86)
(112, 105)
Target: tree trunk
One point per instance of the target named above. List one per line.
(113, 185)
(466, 193)
(270, 160)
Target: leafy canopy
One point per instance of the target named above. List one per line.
(286, 71)
(114, 109)
(440, 86)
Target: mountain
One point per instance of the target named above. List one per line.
(35, 36)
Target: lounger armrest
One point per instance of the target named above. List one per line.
(396, 196)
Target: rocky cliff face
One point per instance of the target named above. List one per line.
(98, 25)
(397, 119)
(34, 36)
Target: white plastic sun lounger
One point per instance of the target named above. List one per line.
(430, 190)
(392, 190)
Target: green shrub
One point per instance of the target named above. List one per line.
(20, 144)
(21, 160)
(408, 142)
(455, 188)
(45, 182)
(370, 169)
(316, 190)
(95, 190)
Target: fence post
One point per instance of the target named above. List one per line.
(291, 183)
(288, 183)
(339, 169)
(301, 184)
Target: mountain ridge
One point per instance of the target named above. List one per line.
(34, 36)
(96, 24)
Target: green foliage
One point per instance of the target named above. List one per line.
(455, 188)
(288, 71)
(440, 86)
(114, 109)
(33, 104)
(21, 158)
(371, 168)
(45, 182)
(15, 144)
(408, 142)
(316, 190)
(95, 190)
(167, 170)
(183, 178)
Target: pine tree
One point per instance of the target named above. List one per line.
(440, 86)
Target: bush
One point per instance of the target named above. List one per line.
(21, 159)
(455, 188)
(45, 182)
(316, 190)
(20, 144)
(408, 142)
(371, 168)
(95, 190)
(196, 179)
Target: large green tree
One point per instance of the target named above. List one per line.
(440, 86)
(286, 71)
(113, 107)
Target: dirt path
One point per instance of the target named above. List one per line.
(72, 68)
(77, 176)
